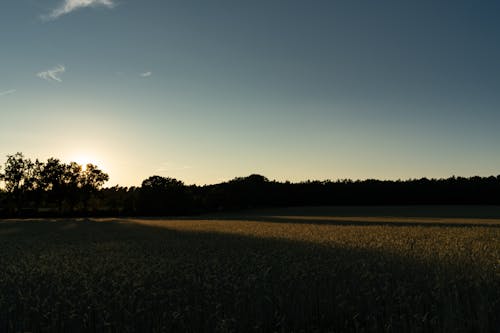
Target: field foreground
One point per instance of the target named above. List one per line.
(312, 269)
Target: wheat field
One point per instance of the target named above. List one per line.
(288, 270)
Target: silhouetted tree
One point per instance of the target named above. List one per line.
(36, 192)
(52, 178)
(163, 195)
(114, 198)
(18, 177)
(72, 184)
(68, 189)
(91, 181)
(247, 192)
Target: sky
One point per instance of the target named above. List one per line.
(205, 91)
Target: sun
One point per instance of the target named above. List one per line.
(87, 156)
(83, 159)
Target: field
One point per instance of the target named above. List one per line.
(359, 269)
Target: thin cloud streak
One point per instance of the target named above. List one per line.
(146, 74)
(52, 74)
(7, 92)
(71, 5)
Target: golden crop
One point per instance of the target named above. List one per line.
(258, 274)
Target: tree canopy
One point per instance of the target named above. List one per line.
(57, 188)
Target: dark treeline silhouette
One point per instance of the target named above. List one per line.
(53, 188)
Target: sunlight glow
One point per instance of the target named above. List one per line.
(83, 159)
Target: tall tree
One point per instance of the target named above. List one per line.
(18, 178)
(163, 195)
(52, 178)
(91, 181)
(72, 184)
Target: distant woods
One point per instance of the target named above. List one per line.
(54, 188)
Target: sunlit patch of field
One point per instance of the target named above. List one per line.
(280, 270)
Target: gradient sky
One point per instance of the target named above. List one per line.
(205, 91)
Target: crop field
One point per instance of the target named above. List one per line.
(390, 269)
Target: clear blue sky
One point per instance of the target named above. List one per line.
(205, 91)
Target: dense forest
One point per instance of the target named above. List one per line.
(54, 188)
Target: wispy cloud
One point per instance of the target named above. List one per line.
(67, 6)
(7, 92)
(52, 74)
(146, 74)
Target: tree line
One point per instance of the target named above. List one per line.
(54, 188)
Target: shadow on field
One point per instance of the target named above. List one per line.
(396, 216)
(415, 211)
(114, 275)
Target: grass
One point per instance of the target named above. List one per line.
(295, 270)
